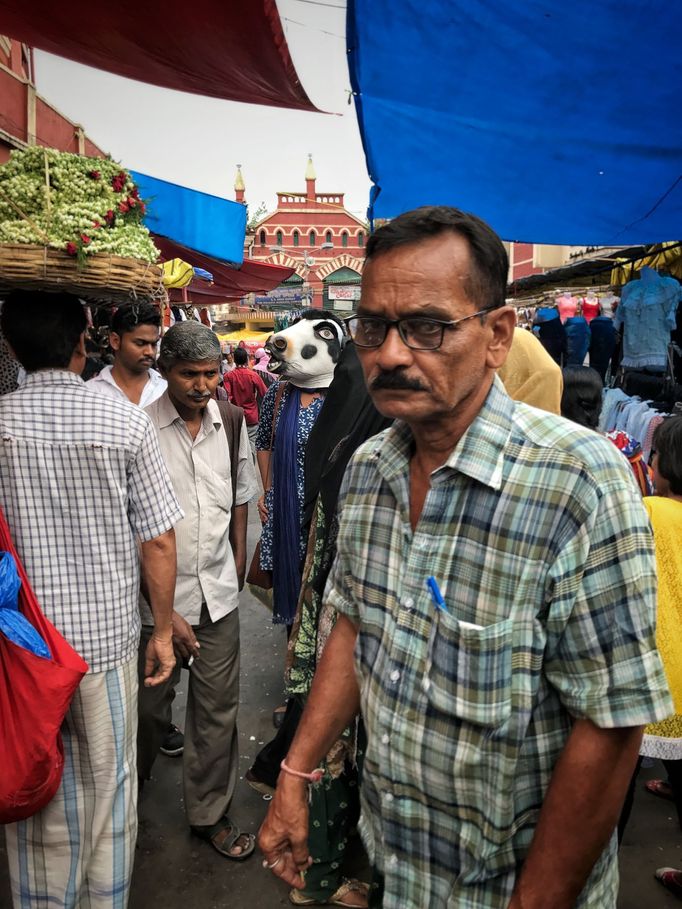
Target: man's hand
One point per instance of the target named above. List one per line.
(159, 654)
(184, 639)
(283, 837)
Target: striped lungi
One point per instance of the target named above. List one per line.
(77, 853)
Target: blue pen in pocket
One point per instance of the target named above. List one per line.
(436, 595)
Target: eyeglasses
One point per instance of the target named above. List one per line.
(415, 332)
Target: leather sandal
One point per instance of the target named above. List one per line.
(224, 836)
(298, 897)
(661, 788)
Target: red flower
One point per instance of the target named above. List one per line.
(109, 216)
(123, 207)
(135, 194)
(119, 181)
(97, 223)
(94, 174)
(85, 239)
(143, 207)
(71, 249)
(131, 202)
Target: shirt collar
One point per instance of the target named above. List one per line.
(479, 453)
(52, 377)
(167, 413)
(106, 376)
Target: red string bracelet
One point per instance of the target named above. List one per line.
(314, 777)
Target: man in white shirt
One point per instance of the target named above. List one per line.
(211, 553)
(134, 335)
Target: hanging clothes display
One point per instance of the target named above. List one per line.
(577, 340)
(567, 306)
(590, 307)
(603, 342)
(646, 315)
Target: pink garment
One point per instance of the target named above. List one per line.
(567, 306)
(590, 308)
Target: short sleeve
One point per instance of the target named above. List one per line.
(337, 592)
(267, 410)
(153, 508)
(601, 653)
(247, 487)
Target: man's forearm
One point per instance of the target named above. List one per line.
(238, 524)
(578, 816)
(158, 564)
(333, 702)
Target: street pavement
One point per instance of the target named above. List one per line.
(175, 870)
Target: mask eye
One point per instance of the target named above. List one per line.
(326, 333)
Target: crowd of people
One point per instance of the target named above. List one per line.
(483, 631)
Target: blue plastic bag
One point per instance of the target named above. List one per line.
(13, 623)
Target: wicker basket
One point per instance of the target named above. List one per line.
(104, 278)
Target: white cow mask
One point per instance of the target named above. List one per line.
(307, 352)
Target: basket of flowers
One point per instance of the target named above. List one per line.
(73, 223)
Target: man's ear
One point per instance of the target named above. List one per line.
(114, 340)
(501, 322)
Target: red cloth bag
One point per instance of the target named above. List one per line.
(35, 694)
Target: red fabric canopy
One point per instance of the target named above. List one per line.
(228, 283)
(236, 50)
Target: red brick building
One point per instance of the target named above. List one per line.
(26, 118)
(313, 233)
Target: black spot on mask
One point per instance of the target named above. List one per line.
(308, 351)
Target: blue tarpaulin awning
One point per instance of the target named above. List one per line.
(208, 224)
(556, 122)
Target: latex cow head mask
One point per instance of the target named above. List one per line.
(307, 352)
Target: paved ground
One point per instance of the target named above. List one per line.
(174, 870)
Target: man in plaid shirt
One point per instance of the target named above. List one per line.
(496, 594)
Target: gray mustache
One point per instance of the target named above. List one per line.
(395, 381)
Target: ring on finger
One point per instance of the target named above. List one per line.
(270, 865)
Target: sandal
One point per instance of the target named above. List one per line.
(671, 879)
(298, 897)
(224, 836)
(661, 788)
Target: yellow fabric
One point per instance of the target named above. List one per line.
(531, 375)
(177, 273)
(664, 255)
(666, 520)
(246, 335)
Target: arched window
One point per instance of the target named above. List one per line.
(312, 238)
(344, 239)
(296, 237)
(328, 237)
(262, 238)
(361, 239)
(279, 238)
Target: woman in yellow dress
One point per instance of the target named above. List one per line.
(664, 740)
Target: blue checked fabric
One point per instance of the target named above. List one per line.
(81, 480)
(538, 540)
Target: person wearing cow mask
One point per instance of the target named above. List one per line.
(305, 357)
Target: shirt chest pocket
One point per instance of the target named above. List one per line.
(469, 670)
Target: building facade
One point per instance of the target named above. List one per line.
(313, 233)
(26, 118)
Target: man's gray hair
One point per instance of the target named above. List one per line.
(188, 341)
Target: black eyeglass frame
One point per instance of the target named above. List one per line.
(399, 324)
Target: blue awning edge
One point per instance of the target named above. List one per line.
(209, 224)
(552, 121)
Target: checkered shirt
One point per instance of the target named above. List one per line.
(537, 538)
(81, 481)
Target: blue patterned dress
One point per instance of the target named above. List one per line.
(306, 420)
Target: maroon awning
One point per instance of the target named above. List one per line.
(236, 51)
(228, 283)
